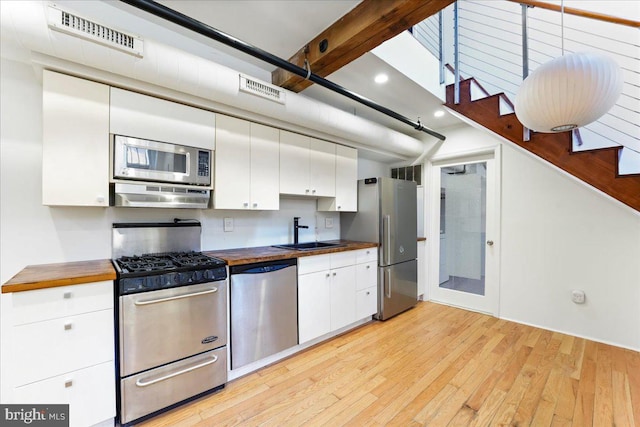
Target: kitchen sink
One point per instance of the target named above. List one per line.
(309, 246)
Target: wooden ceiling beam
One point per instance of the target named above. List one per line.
(366, 26)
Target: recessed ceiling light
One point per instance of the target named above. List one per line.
(438, 113)
(381, 78)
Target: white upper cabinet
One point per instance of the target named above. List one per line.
(307, 165)
(75, 141)
(346, 199)
(247, 165)
(142, 116)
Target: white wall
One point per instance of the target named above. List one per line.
(558, 234)
(34, 234)
(371, 168)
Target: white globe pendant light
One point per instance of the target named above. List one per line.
(568, 92)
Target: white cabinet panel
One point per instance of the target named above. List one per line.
(322, 168)
(52, 303)
(310, 264)
(294, 163)
(307, 165)
(233, 167)
(366, 255)
(343, 297)
(247, 165)
(367, 302)
(314, 305)
(366, 275)
(89, 392)
(142, 116)
(75, 141)
(346, 181)
(53, 347)
(265, 167)
(343, 259)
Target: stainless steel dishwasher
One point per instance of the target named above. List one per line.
(264, 310)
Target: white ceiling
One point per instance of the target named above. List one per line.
(281, 27)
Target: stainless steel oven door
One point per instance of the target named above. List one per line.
(158, 388)
(162, 326)
(142, 159)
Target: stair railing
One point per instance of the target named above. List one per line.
(500, 43)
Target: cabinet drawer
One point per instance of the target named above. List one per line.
(311, 264)
(366, 275)
(53, 303)
(366, 302)
(53, 347)
(366, 255)
(89, 392)
(343, 259)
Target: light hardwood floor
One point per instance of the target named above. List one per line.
(437, 366)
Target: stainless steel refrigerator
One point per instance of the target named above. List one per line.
(387, 215)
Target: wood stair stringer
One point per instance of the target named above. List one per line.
(598, 168)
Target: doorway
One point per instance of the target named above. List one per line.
(465, 222)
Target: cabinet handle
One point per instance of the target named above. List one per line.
(66, 295)
(100, 199)
(245, 204)
(142, 383)
(368, 293)
(68, 383)
(339, 207)
(313, 191)
(67, 326)
(368, 267)
(334, 274)
(306, 190)
(255, 205)
(328, 275)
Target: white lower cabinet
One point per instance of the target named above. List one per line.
(90, 393)
(62, 349)
(329, 291)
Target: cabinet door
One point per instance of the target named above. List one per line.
(343, 297)
(294, 164)
(53, 347)
(314, 305)
(346, 179)
(366, 302)
(89, 392)
(143, 116)
(265, 167)
(75, 141)
(232, 157)
(322, 168)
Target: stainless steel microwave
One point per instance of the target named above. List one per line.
(154, 161)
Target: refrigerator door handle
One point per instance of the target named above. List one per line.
(387, 283)
(386, 248)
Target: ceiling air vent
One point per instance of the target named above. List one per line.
(75, 25)
(261, 89)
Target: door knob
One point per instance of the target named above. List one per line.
(490, 242)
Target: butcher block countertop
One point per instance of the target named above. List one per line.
(269, 253)
(44, 276)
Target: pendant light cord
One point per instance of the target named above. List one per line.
(562, 25)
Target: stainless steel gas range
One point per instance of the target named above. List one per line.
(171, 317)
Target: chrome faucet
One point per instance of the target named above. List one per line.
(296, 226)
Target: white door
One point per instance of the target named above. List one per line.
(465, 199)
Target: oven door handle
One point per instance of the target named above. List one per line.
(141, 383)
(195, 294)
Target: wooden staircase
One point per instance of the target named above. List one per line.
(599, 168)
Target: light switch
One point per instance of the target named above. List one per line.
(328, 223)
(228, 224)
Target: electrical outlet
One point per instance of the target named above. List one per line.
(328, 223)
(578, 296)
(228, 224)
